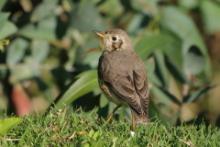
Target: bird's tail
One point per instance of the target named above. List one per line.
(139, 118)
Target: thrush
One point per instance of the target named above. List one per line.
(122, 75)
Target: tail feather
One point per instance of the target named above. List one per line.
(139, 118)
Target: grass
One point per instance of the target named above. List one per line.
(68, 128)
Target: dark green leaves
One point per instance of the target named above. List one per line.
(2, 2)
(85, 83)
(160, 69)
(40, 50)
(194, 60)
(44, 31)
(85, 17)
(7, 28)
(16, 51)
(175, 70)
(44, 11)
(151, 42)
(181, 25)
(211, 15)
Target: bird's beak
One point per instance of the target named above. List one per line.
(99, 34)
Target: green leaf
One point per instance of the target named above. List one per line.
(175, 71)
(173, 48)
(45, 10)
(197, 94)
(152, 77)
(108, 6)
(91, 59)
(81, 17)
(170, 96)
(181, 25)
(194, 60)
(103, 101)
(40, 50)
(7, 28)
(44, 31)
(151, 42)
(148, 6)
(16, 51)
(8, 123)
(160, 69)
(189, 4)
(3, 19)
(211, 14)
(2, 3)
(135, 22)
(85, 83)
(23, 71)
(3, 72)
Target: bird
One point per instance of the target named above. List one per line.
(122, 75)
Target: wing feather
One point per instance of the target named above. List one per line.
(129, 84)
(141, 86)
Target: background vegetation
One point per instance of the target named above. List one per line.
(49, 55)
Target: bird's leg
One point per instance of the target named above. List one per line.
(112, 113)
(133, 124)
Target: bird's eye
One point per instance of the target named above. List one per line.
(114, 38)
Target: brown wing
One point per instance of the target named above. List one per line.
(124, 89)
(141, 85)
(129, 83)
(133, 88)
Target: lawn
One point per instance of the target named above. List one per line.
(78, 128)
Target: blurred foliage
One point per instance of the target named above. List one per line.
(8, 123)
(53, 53)
(3, 43)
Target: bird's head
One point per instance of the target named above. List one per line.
(114, 39)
